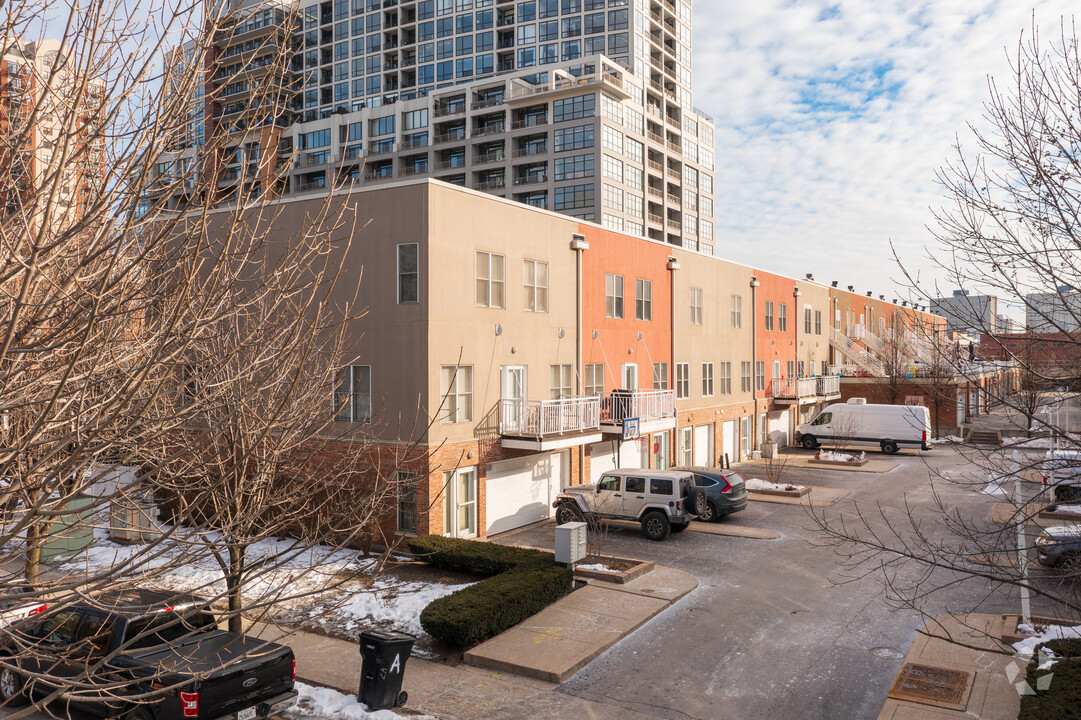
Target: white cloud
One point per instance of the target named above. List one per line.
(832, 118)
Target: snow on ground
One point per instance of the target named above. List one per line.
(1043, 442)
(596, 566)
(1068, 509)
(840, 456)
(757, 484)
(334, 587)
(948, 439)
(1025, 648)
(320, 703)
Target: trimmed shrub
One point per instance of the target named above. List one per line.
(1062, 699)
(523, 582)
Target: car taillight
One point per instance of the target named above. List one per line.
(924, 436)
(294, 669)
(38, 610)
(189, 703)
(1044, 479)
(727, 486)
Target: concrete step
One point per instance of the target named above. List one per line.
(985, 437)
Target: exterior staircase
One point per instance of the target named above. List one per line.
(858, 355)
(984, 437)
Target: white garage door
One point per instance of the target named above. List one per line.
(521, 491)
(778, 427)
(730, 433)
(602, 456)
(703, 445)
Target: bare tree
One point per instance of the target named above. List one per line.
(1010, 229)
(896, 358)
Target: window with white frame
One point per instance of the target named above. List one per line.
(612, 222)
(760, 375)
(613, 197)
(353, 396)
(613, 296)
(725, 378)
(696, 306)
(683, 380)
(705, 230)
(660, 376)
(561, 382)
(737, 312)
(594, 380)
(745, 377)
(769, 315)
(782, 318)
(707, 379)
(490, 280)
(807, 320)
(633, 177)
(635, 205)
(456, 392)
(636, 151)
(408, 273)
(643, 299)
(818, 322)
(535, 282)
(613, 168)
(612, 139)
(407, 501)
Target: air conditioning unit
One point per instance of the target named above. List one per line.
(857, 401)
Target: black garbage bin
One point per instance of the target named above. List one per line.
(383, 655)
(621, 404)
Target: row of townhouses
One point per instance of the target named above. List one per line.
(518, 351)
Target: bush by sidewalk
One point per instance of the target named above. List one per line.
(1062, 698)
(522, 583)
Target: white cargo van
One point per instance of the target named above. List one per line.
(857, 424)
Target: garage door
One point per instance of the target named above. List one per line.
(521, 491)
(602, 456)
(778, 427)
(703, 445)
(730, 435)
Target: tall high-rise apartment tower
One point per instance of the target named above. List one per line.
(579, 106)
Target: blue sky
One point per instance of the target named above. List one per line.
(832, 118)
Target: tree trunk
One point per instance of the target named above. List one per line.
(35, 536)
(234, 584)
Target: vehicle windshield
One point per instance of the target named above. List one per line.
(165, 627)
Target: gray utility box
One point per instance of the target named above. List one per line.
(570, 542)
(132, 519)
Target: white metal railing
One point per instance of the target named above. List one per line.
(827, 385)
(541, 418)
(794, 387)
(855, 353)
(647, 405)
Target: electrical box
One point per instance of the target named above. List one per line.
(570, 542)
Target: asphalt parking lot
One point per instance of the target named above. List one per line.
(777, 628)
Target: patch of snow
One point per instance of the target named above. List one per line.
(596, 566)
(1025, 648)
(1068, 509)
(841, 456)
(399, 604)
(948, 439)
(758, 484)
(321, 702)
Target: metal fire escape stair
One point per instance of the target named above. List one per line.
(860, 356)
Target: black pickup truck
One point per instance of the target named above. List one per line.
(146, 655)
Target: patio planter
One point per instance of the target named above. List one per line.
(623, 570)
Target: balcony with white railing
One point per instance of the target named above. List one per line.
(828, 387)
(795, 390)
(549, 424)
(654, 410)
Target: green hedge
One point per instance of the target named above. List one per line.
(522, 583)
(1062, 700)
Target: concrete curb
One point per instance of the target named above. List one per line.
(572, 632)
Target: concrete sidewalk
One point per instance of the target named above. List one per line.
(968, 643)
(561, 639)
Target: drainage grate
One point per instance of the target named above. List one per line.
(932, 686)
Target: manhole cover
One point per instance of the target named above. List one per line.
(932, 686)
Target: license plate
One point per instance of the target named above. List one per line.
(248, 714)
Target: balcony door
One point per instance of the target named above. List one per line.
(460, 503)
(513, 388)
(630, 376)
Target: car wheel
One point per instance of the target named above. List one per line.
(710, 514)
(1071, 564)
(655, 526)
(680, 527)
(696, 501)
(12, 690)
(889, 447)
(566, 513)
(809, 442)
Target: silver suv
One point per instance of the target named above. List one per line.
(663, 501)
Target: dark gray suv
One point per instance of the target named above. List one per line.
(1060, 546)
(726, 491)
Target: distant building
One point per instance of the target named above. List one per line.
(968, 313)
(1053, 312)
(1007, 326)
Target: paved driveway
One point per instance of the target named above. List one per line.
(770, 632)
